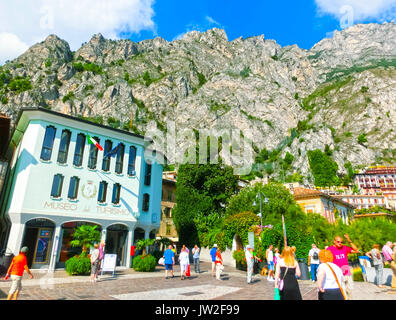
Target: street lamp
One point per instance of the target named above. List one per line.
(260, 197)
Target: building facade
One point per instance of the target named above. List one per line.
(379, 180)
(167, 228)
(364, 201)
(314, 201)
(58, 181)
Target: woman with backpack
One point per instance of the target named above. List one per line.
(313, 261)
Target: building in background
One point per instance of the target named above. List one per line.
(378, 180)
(167, 227)
(59, 181)
(364, 201)
(315, 201)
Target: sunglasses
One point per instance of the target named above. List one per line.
(339, 241)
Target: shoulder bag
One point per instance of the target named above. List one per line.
(281, 282)
(335, 276)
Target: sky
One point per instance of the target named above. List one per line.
(305, 22)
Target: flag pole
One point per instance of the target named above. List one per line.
(284, 230)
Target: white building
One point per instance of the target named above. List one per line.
(57, 181)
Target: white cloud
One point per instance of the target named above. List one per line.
(380, 10)
(74, 20)
(10, 46)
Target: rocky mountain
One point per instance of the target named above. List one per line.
(339, 96)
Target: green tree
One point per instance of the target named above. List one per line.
(143, 244)
(201, 190)
(85, 236)
(323, 168)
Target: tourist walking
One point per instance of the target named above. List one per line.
(219, 264)
(376, 257)
(285, 276)
(330, 278)
(101, 257)
(184, 262)
(94, 262)
(169, 261)
(250, 263)
(387, 252)
(196, 252)
(340, 254)
(213, 256)
(270, 261)
(313, 261)
(17, 267)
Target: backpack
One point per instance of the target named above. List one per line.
(315, 255)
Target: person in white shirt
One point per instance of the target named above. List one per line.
(270, 260)
(313, 261)
(330, 278)
(184, 262)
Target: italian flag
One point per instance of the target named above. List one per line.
(93, 141)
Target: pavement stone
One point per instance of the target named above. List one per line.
(131, 285)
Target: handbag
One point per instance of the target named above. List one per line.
(342, 291)
(281, 282)
(188, 271)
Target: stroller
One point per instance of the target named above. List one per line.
(5, 261)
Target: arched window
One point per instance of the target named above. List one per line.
(102, 192)
(106, 161)
(120, 158)
(93, 155)
(131, 161)
(79, 151)
(48, 143)
(57, 183)
(64, 146)
(73, 188)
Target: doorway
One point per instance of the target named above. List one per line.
(116, 237)
(38, 237)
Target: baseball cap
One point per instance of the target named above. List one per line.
(247, 247)
(215, 245)
(24, 249)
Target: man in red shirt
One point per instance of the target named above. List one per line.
(340, 254)
(18, 265)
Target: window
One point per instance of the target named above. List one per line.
(106, 161)
(170, 195)
(102, 191)
(73, 188)
(57, 183)
(93, 155)
(146, 200)
(64, 146)
(167, 212)
(168, 229)
(120, 159)
(79, 151)
(48, 143)
(147, 175)
(131, 161)
(116, 193)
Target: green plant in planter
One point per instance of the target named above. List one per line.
(142, 244)
(85, 236)
(78, 265)
(144, 263)
(239, 256)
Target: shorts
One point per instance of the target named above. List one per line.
(16, 284)
(168, 266)
(271, 265)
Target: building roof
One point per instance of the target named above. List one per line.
(304, 193)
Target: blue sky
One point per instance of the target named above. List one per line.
(25, 22)
(287, 22)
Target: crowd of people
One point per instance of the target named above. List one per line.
(329, 267)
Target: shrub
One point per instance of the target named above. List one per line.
(239, 256)
(19, 84)
(78, 265)
(362, 138)
(357, 275)
(145, 263)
